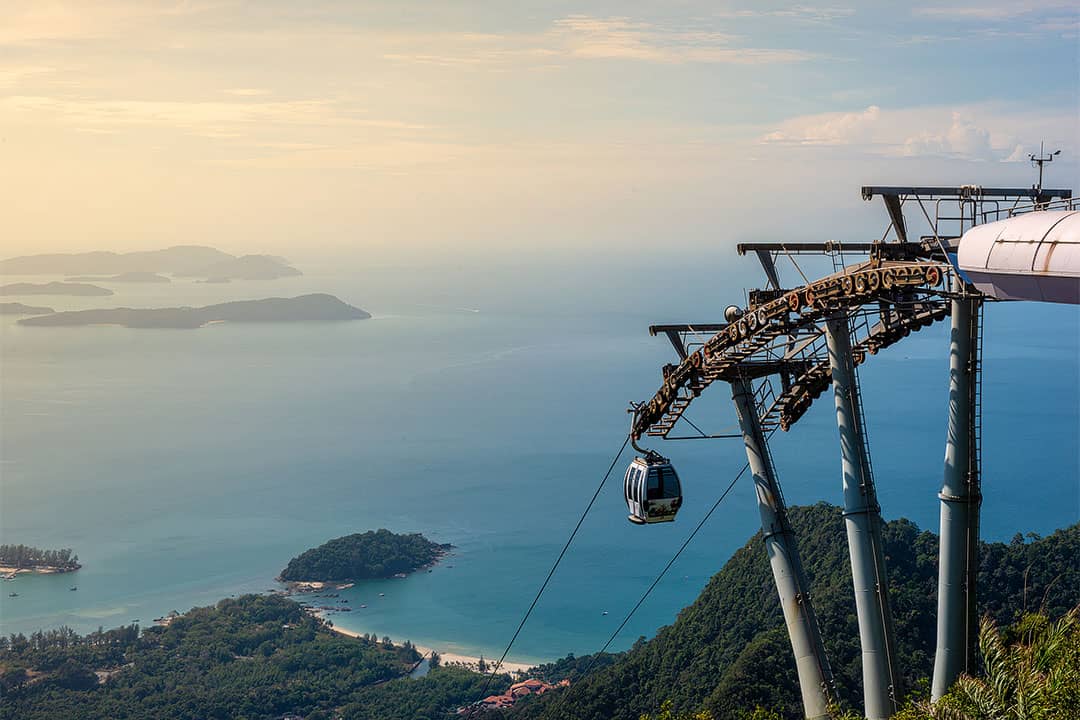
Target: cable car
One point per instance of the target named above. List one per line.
(652, 490)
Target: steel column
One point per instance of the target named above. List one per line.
(960, 500)
(815, 675)
(862, 518)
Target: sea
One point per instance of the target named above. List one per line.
(481, 406)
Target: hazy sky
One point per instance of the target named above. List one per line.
(408, 128)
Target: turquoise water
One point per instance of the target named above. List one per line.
(480, 407)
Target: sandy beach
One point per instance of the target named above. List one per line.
(454, 658)
(37, 570)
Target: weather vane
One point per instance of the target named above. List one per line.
(1041, 159)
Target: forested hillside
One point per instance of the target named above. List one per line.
(253, 657)
(263, 658)
(728, 652)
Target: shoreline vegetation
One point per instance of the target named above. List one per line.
(380, 554)
(16, 559)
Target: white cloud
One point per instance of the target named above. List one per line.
(591, 38)
(33, 22)
(813, 14)
(14, 76)
(1017, 155)
(995, 10)
(205, 118)
(828, 129)
(963, 138)
(986, 133)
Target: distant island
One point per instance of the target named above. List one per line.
(128, 277)
(196, 261)
(14, 308)
(54, 288)
(246, 267)
(361, 556)
(25, 558)
(305, 308)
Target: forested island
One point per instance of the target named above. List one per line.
(26, 557)
(726, 656)
(361, 556)
(317, 307)
(128, 277)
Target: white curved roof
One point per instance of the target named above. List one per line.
(1034, 256)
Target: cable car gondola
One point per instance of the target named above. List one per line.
(652, 489)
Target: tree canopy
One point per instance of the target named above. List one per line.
(728, 652)
(27, 556)
(373, 554)
(726, 656)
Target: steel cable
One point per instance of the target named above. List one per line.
(657, 580)
(592, 501)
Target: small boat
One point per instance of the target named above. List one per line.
(363, 606)
(73, 589)
(604, 613)
(382, 594)
(13, 595)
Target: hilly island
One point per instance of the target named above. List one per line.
(195, 261)
(317, 307)
(725, 657)
(362, 556)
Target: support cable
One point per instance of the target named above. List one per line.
(657, 580)
(558, 560)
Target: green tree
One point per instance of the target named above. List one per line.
(666, 713)
(1032, 672)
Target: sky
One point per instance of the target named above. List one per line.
(402, 129)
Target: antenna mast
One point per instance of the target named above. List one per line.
(1041, 159)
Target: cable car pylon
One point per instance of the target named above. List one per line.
(812, 665)
(862, 520)
(789, 344)
(961, 497)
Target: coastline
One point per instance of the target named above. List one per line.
(447, 658)
(38, 570)
(471, 662)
